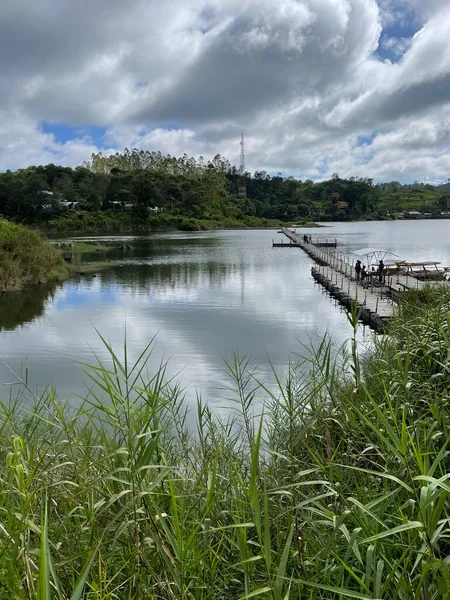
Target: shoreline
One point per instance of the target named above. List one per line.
(54, 234)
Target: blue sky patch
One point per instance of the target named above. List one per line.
(75, 297)
(366, 139)
(64, 133)
(322, 169)
(398, 32)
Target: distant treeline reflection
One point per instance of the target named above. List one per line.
(173, 275)
(17, 308)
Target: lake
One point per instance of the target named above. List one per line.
(202, 296)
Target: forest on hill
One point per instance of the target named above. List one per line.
(161, 190)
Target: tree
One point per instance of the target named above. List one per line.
(443, 202)
(26, 198)
(63, 187)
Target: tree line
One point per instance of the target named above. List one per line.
(148, 182)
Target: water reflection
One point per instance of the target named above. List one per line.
(17, 308)
(174, 275)
(204, 296)
(169, 248)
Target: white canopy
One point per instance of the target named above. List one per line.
(374, 255)
(366, 251)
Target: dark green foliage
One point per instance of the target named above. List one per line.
(25, 258)
(148, 183)
(113, 221)
(10, 582)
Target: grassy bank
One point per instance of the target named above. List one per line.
(337, 488)
(92, 268)
(88, 247)
(26, 259)
(102, 222)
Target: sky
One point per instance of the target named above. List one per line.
(355, 87)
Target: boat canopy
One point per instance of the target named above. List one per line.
(374, 255)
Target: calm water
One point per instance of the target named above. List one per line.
(204, 296)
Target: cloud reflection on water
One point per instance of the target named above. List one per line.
(232, 292)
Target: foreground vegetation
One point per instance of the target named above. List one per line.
(155, 192)
(334, 487)
(26, 259)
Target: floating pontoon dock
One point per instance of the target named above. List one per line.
(335, 271)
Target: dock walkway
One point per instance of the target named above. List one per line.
(319, 242)
(336, 273)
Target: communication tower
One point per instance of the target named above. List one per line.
(242, 186)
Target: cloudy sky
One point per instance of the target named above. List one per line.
(358, 87)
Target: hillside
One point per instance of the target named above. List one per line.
(150, 191)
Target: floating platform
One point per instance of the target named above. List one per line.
(374, 299)
(296, 245)
(374, 310)
(285, 245)
(335, 273)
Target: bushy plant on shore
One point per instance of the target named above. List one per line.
(26, 258)
(336, 486)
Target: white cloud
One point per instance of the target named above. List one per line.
(299, 77)
(23, 143)
(397, 46)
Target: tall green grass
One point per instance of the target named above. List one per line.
(26, 259)
(336, 486)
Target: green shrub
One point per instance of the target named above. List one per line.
(25, 258)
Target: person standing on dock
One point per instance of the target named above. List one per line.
(358, 269)
(363, 273)
(380, 270)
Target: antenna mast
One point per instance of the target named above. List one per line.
(242, 185)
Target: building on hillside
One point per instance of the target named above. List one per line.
(67, 204)
(342, 205)
(317, 211)
(412, 214)
(116, 205)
